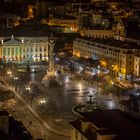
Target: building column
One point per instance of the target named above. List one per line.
(18, 52)
(22, 53)
(2, 52)
(6, 53)
(42, 52)
(34, 53)
(47, 51)
(38, 53)
(15, 53)
(10, 53)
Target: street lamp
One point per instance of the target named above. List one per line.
(42, 101)
(28, 88)
(30, 93)
(80, 86)
(138, 92)
(112, 83)
(9, 72)
(111, 88)
(15, 78)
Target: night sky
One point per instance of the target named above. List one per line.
(28, 1)
(18, 6)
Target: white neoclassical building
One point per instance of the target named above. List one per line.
(24, 48)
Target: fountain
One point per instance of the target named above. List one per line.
(89, 106)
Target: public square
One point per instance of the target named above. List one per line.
(47, 111)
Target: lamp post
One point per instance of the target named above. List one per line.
(28, 89)
(15, 79)
(30, 93)
(9, 74)
(112, 88)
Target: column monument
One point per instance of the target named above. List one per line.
(51, 70)
(50, 79)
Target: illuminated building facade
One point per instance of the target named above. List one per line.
(96, 18)
(30, 11)
(12, 50)
(71, 23)
(102, 32)
(137, 65)
(97, 33)
(116, 55)
(24, 48)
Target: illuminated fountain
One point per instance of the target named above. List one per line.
(89, 106)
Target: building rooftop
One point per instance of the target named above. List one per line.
(115, 43)
(110, 122)
(16, 129)
(12, 41)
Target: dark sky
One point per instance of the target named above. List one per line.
(28, 1)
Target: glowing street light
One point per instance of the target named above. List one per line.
(80, 86)
(66, 79)
(28, 88)
(112, 83)
(42, 101)
(15, 78)
(9, 72)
